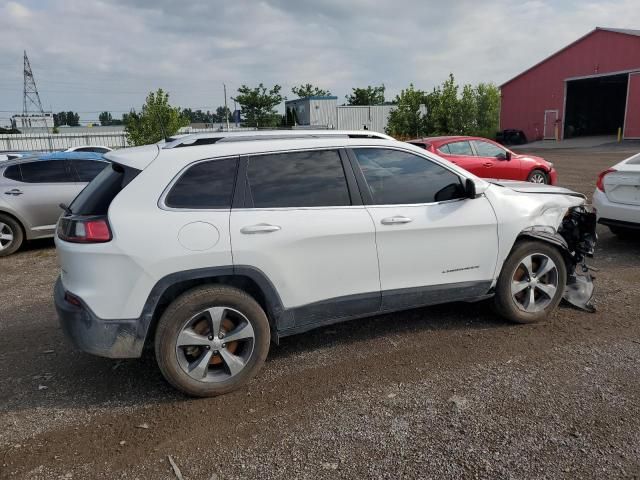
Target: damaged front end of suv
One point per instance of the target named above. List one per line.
(558, 216)
(576, 236)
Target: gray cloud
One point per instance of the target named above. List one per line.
(90, 55)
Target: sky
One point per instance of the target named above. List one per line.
(95, 55)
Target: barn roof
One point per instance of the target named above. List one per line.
(624, 31)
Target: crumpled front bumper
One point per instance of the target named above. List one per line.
(91, 334)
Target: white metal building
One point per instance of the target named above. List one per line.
(32, 121)
(324, 112)
(369, 117)
(313, 111)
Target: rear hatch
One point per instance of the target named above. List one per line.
(623, 184)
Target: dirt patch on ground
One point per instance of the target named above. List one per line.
(443, 392)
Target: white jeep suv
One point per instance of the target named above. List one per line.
(209, 248)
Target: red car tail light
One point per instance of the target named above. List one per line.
(84, 229)
(600, 182)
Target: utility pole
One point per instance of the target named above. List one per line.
(235, 109)
(31, 95)
(226, 110)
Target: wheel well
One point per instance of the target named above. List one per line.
(555, 241)
(17, 220)
(241, 282)
(538, 168)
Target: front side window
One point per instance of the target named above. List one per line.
(298, 179)
(460, 148)
(486, 149)
(46, 171)
(395, 177)
(205, 185)
(87, 170)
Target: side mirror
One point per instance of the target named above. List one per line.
(470, 188)
(507, 155)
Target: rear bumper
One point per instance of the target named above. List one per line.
(609, 212)
(91, 334)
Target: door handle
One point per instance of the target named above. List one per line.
(396, 220)
(488, 164)
(14, 191)
(260, 228)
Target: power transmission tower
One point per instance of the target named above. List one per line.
(31, 96)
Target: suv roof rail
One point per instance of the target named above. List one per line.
(209, 138)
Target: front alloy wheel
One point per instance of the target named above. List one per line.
(531, 283)
(535, 283)
(538, 176)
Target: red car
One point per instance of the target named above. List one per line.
(488, 159)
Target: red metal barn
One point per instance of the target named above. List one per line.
(590, 87)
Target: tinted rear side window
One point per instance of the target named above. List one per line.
(298, 179)
(13, 173)
(87, 170)
(205, 185)
(96, 197)
(46, 171)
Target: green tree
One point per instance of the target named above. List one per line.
(258, 105)
(366, 96)
(222, 114)
(105, 118)
(156, 119)
(59, 118)
(488, 109)
(406, 120)
(308, 90)
(73, 119)
(467, 121)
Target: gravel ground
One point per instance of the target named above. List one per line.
(443, 392)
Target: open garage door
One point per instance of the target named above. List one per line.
(595, 106)
(632, 117)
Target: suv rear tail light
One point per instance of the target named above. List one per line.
(600, 182)
(84, 229)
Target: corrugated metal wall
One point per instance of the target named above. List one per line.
(322, 113)
(373, 117)
(525, 98)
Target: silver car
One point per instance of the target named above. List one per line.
(32, 189)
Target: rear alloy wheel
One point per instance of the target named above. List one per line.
(531, 283)
(538, 176)
(212, 340)
(11, 236)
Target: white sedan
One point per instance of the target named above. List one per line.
(617, 197)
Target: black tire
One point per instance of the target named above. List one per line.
(505, 303)
(537, 173)
(8, 225)
(625, 233)
(177, 316)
